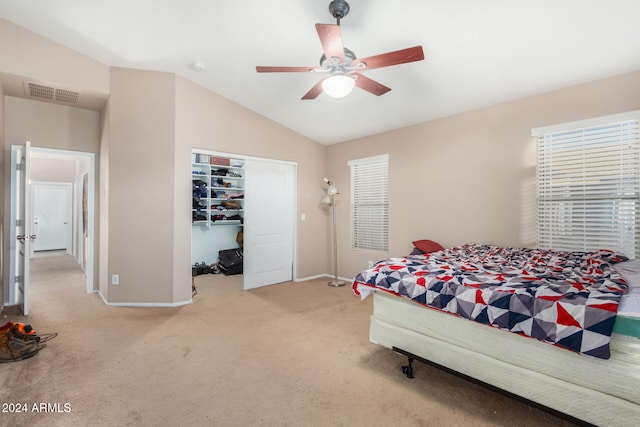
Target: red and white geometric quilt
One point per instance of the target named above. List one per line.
(569, 299)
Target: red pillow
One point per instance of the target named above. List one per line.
(427, 246)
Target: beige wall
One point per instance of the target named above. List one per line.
(144, 160)
(208, 121)
(102, 206)
(46, 126)
(154, 121)
(141, 183)
(27, 54)
(51, 126)
(3, 295)
(469, 177)
(52, 169)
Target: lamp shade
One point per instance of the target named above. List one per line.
(332, 191)
(338, 85)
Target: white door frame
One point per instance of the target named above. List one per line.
(89, 256)
(295, 195)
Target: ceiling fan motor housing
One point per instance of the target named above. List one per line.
(339, 9)
(349, 57)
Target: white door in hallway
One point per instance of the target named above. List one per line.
(20, 234)
(269, 222)
(51, 215)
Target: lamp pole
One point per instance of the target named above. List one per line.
(335, 282)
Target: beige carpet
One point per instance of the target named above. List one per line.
(293, 354)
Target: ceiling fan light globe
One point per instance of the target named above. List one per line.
(338, 86)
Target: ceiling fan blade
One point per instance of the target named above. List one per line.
(267, 69)
(315, 91)
(403, 56)
(331, 40)
(370, 85)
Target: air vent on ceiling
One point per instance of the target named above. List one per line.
(49, 93)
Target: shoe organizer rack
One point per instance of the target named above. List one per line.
(218, 191)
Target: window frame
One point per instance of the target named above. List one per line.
(588, 184)
(369, 193)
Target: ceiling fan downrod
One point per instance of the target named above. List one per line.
(339, 9)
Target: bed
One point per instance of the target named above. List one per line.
(558, 329)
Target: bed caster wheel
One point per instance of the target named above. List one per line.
(408, 369)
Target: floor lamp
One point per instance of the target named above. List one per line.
(330, 199)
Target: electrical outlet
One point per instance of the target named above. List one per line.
(115, 279)
(370, 264)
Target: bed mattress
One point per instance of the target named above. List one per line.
(598, 389)
(627, 325)
(567, 299)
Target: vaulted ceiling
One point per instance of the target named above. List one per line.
(477, 53)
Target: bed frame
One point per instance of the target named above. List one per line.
(408, 371)
(582, 388)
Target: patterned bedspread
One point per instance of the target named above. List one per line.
(569, 299)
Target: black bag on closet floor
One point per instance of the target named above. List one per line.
(230, 261)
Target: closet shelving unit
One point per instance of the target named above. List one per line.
(218, 205)
(218, 191)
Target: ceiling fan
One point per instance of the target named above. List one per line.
(342, 65)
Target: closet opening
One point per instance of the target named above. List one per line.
(243, 219)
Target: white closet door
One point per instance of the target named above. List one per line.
(269, 224)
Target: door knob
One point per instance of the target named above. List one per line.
(22, 237)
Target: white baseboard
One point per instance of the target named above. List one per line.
(143, 304)
(320, 276)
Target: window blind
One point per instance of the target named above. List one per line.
(589, 188)
(370, 202)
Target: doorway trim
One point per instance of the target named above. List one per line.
(90, 157)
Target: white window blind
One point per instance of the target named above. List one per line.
(370, 202)
(589, 187)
